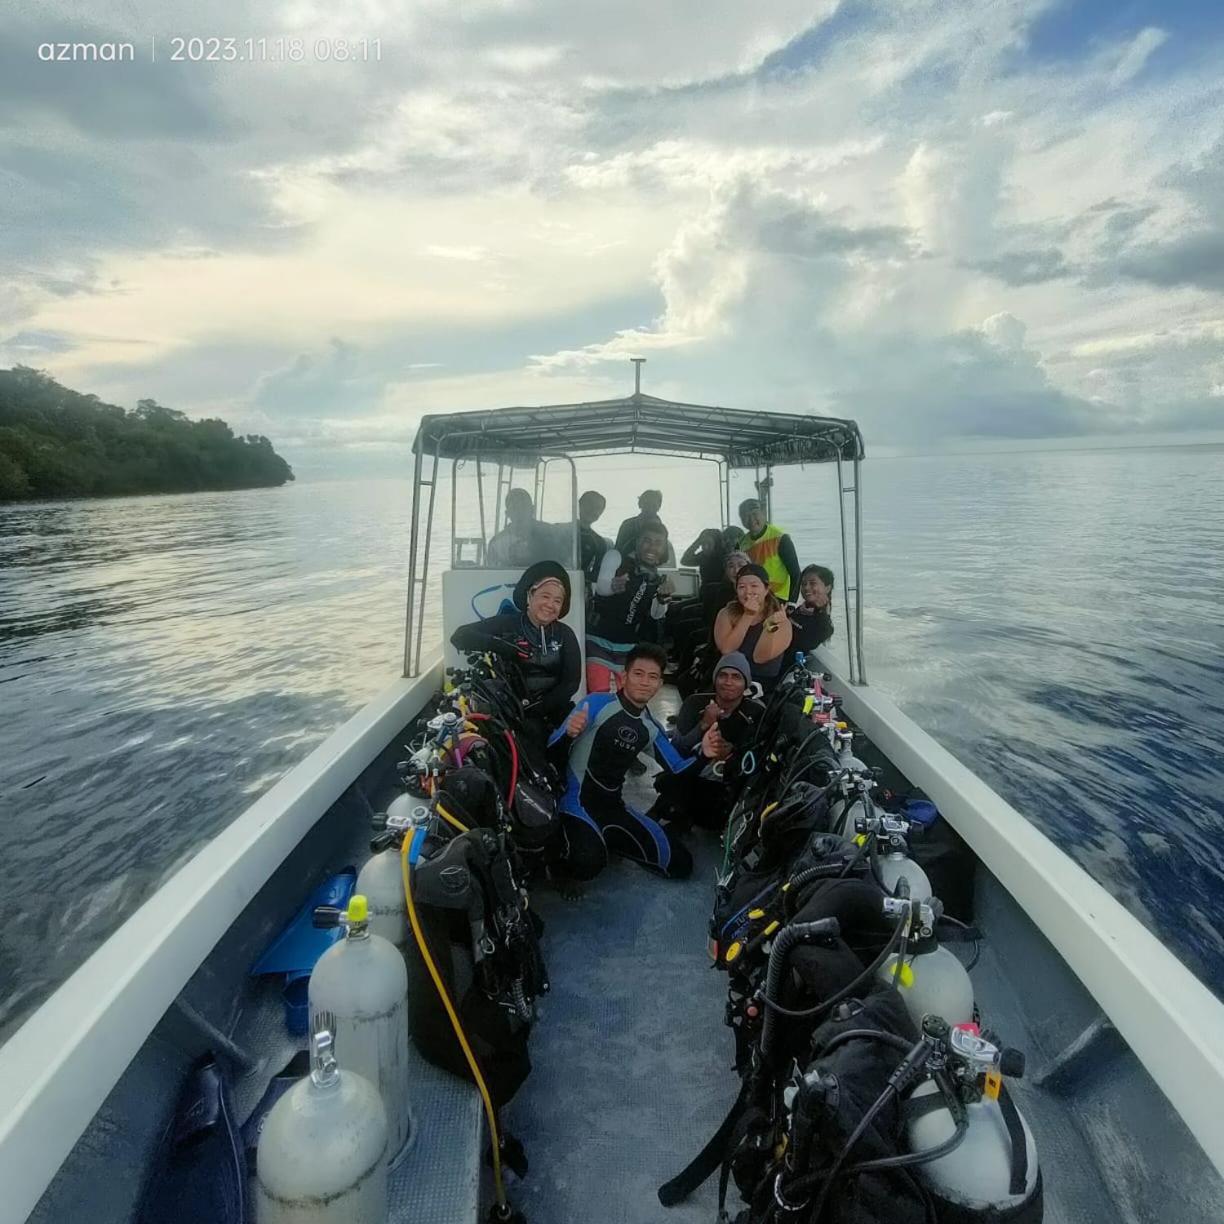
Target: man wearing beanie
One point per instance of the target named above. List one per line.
(699, 796)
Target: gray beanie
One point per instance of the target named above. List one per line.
(736, 662)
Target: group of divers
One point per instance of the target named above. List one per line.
(755, 613)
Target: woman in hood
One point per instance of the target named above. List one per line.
(535, 637)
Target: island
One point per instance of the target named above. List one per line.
(55, 442)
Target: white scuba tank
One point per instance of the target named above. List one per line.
(933, 983)
(322, 1155)
(976, 1175)
(362, 981)
(894, 865)
(381, 882)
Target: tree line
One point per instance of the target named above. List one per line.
(55, 442)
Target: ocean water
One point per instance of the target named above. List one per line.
(1053, 618)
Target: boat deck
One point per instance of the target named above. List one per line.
(631, 1060)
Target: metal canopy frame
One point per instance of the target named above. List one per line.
(731, 438)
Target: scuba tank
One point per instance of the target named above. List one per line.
(992, 1173)
(363, 982)
(322, 1155)
(893, 860)
(931, 980)
(381, 881)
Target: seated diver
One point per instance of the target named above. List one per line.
(699, 796)
(535, 638)
(811, 618)
(599, 741)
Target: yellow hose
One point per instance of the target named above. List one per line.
(499, 1188)
(450, 820)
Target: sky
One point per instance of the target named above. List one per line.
(961, 223)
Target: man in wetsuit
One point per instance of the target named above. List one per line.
(630, 597)
(600, 740)
(699, 796)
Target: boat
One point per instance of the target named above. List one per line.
(1125, 1084)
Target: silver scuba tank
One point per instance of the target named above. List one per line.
(895, 863)
(982, 1174)
(932, 983)
(363, 982)
(931, 980)
(322, 1156)
(381, 880)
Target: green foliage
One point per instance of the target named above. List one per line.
(59, 443)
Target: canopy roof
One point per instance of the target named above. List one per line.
(639, 423)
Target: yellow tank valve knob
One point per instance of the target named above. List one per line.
(358, 909)
(904, 978)
(808, 703)
(733, 951)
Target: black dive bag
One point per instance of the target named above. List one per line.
(484, 943)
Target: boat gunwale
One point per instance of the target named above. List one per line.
(1166, 1015)
(58, 1067)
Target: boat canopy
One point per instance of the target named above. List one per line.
(640, 424)
(528, 440)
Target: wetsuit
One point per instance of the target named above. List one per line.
(699, 796)
(548, 656)
(620, 619)
(596, 817)
(809, 630)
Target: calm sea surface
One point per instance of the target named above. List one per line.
(1054, 619)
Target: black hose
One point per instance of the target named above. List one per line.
(839, 1039)
(788, 937)
(824, 871)
(914, 1060)
(771, 1004)
(907, 1160)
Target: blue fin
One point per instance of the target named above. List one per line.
(296, 949)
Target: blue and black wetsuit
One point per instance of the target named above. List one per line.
(597, 819)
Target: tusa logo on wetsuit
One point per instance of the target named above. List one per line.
(627, 737)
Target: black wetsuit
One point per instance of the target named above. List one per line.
(698, 796)
(549, 657)
(810, 630)
(597, 818)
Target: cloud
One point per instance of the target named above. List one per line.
(893, 211)
(1136, 55)
(1028, 267)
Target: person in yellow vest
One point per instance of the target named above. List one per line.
(772, 549)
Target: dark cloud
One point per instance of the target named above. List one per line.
(38, 342)
(1027, 267)
(1193, 259)
(113, 101)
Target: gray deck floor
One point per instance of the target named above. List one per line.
(631, 1059)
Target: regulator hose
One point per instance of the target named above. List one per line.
(769, 997)
(788, 938)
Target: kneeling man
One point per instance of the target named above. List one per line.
(603, 736)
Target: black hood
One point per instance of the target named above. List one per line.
(535, 574)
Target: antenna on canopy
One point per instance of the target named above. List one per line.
(638, 362)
